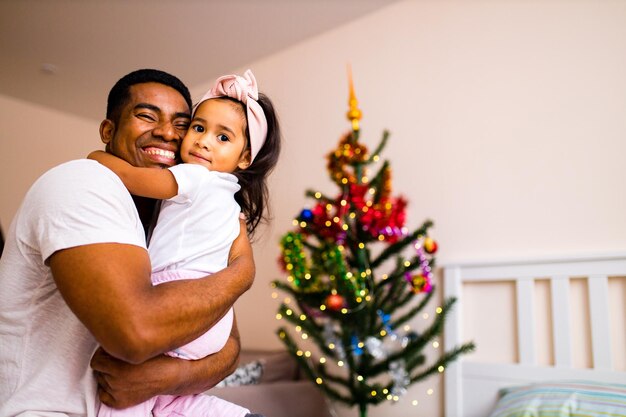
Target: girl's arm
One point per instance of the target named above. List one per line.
(143, 182)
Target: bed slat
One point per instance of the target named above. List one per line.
(600, 326)
(561, 332)
(525, 320)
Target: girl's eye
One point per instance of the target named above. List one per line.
(222, 138)
(198, 128)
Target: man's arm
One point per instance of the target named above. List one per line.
(122, 385)
(108, 287)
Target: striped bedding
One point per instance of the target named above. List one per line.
(562, 399)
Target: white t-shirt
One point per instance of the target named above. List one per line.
(196, 229)
(44, 349)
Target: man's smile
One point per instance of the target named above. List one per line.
(161, 156)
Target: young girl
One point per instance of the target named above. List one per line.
(231, 146)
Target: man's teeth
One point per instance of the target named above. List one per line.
(161, 152)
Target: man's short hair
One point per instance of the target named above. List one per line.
(120, 93)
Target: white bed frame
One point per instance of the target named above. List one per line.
(471, 389)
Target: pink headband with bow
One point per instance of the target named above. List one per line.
(243, 89)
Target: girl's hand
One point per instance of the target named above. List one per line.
(115, 164)
(97, 156)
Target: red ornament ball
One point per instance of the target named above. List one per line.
(430, 246)
(335, 302)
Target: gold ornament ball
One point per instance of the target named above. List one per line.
(419, 282)
(430, 246)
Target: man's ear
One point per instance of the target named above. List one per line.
(244, 161)
(107, 129)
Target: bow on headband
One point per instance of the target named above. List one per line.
(243, 89)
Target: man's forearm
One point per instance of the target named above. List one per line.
(198, 304)
(225, 288)
(132, 319)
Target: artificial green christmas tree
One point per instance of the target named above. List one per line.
(354, 287)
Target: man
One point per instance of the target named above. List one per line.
(75, 275)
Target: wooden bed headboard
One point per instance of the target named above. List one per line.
(471, 389)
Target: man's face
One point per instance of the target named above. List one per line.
(150, 127)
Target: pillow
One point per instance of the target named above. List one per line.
(562, 399)
(248, 374)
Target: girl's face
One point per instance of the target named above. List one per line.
(216, 137)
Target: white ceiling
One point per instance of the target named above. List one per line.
(89, 44)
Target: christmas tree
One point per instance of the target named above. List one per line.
(354, 288)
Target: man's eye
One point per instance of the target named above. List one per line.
(182, 126)
(146, 116)
(197, 128)
(222, 138)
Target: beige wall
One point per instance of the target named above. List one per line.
(34, 139)
(507, 121)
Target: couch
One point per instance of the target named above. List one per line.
(280, 391)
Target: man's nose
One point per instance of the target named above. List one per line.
(167, 131)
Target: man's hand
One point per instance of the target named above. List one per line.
(122, 385)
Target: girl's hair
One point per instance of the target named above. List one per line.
(254, 196)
